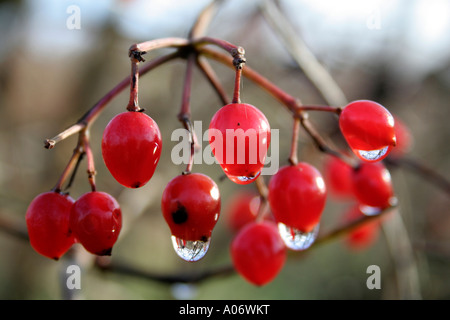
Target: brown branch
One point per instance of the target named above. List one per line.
(91, 115)
(125, 269)
(208, 71)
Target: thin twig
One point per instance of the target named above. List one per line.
(306, 60)
(208, 71)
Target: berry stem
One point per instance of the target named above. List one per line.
(263, 191)
(133, 104)
(320, 142)
(70, 167)
(237, 87)
(208, 71)
(293, 159)
(90, 159)
(91, 115)
(185, 113)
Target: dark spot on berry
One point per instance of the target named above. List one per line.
(239, 123)
(180, 215)
(204, 238)
(56, 258)
(136, 185)
(106, 252)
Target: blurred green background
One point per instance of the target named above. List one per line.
(394, 52)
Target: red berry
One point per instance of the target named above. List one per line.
(239, 135)
(258, 253)
(297, 196)
(191, 207)
(131, 148)
(372, 185)
(47, 221)
(364, 236)
(337, 175)
(243, 209)
(96, 221)
(368, 128)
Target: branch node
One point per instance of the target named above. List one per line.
(49, 144)
(136, 55)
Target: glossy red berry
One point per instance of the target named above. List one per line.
(297, 196)
(239, 136)
(96, 221)
(242, 209)
(372, 185)
(337, 174)
(258, 253)
(365, 235)
(368, 128)
(131, 148)
(191, 207)
(47, 220)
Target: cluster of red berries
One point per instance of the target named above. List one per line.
(56, 221)
(297, 195)
(191, 202)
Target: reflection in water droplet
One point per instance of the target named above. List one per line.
(373, 155)
(296, 239)
(190, 250)
(369, 211)
(373, 211)
(243, 179)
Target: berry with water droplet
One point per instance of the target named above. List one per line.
(131, 148)
(47, 220)
(258, 253)
(96, 221)
(372, 185)
(363, 236)
(297, 197)
(239, 136)
(191, 207)
(368, 128)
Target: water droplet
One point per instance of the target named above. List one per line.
(243, 179)
(373, 211)
(190, 250)
(370, 211)
(296, 239)
(373, 155)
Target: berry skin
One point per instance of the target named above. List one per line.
(372, 185)
(243, 209)
(258, 253)
(47, 220)
(368, 128)
(337, 175)
(191, 206)
(297, 196)
(239, 136)
(131, 148)
(96, 221)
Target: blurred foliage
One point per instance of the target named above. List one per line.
(45, 89)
